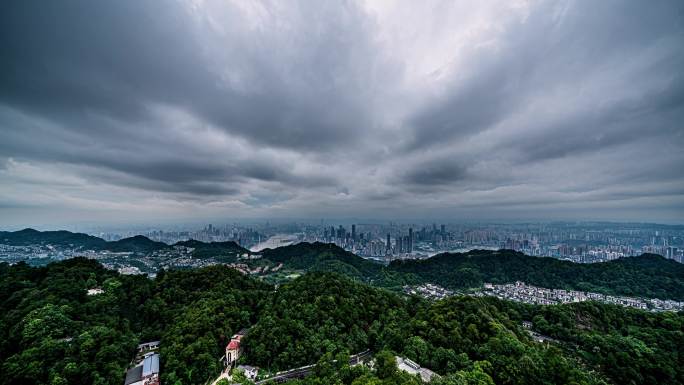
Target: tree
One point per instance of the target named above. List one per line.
(385, 364)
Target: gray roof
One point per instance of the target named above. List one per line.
(148, 343)
(150, 365)
(133, 375)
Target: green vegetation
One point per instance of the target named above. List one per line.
(645, 276)
(648, 275)
(194, 313)
(325, 315)
(222, 251)
(316, 314)
(77, 241)
(323, 257)
(61, 238)
(138, 244)
(52, 332)
(630, 346)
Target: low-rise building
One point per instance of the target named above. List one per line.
(426, 375)
(249, 371)
(145, 372)
(234, 347)
(95, 291)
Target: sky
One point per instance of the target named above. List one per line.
(458, 110)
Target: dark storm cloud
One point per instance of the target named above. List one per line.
(350, 107)
(435, 172)
(115, 58)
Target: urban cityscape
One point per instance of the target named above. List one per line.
(582, 242)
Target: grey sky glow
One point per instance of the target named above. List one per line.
(163, 110)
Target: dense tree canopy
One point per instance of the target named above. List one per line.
(54, 333)
(316, 314)
(323, 257)
(647, 275)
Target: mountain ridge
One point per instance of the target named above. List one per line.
(136, 243)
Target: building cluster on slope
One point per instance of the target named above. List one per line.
(428, 291)
(247, 270)
(521, 292)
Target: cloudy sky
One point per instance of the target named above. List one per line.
(461, 110)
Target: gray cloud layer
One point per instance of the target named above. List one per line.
(459, 110)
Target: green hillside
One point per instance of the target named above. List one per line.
(322, 257)
(224, 251)
(51, 332)
(647, 275)
(60, 238)
(138, 244)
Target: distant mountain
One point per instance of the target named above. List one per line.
(647, 275)
(138, 244)
(222, 250)
(81, 241)
(60, 238)
(322, 257)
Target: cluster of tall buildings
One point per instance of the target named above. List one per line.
(584, 242)
(244, 236)
(403, 244)
(367, 243)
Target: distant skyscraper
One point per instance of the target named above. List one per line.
(410, 241)
(388, 246)
(353, 235)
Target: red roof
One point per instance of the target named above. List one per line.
(234, 344)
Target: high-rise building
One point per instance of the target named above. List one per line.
(671, 252)
(410, 241)
(353, 234)
(388, 247)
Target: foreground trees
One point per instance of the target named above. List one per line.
(52, 332)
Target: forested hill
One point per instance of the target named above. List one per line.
(323, 257)
(67, 239)
(643, 276)
(138, 243)
(212, 249)
(60, 238)
(647, 275)
(53, 332)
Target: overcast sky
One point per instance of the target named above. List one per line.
(460, 110)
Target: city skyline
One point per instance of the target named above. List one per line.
(134, 112)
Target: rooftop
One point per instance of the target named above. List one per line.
(150, 365)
